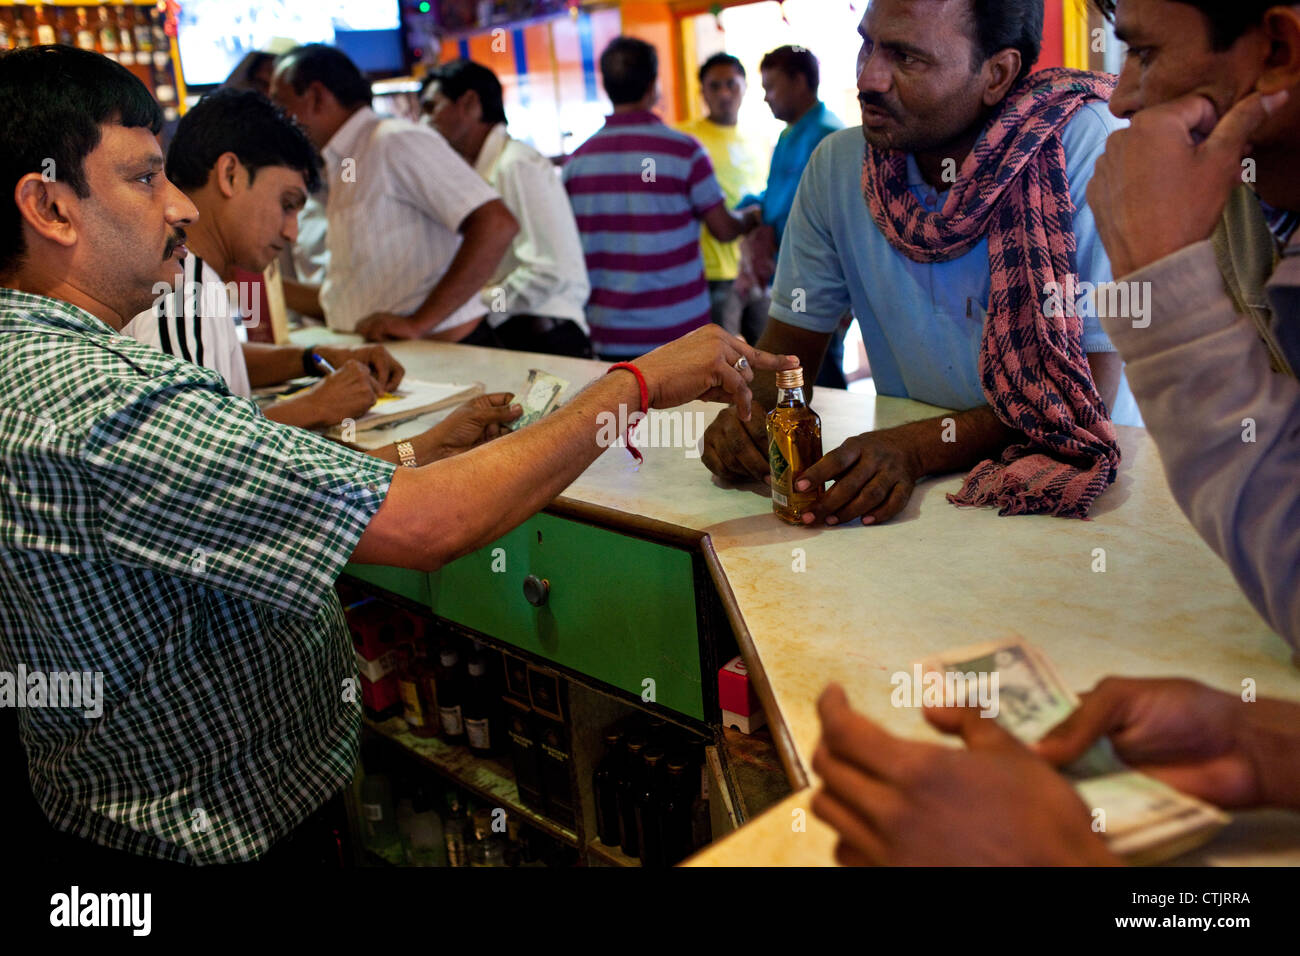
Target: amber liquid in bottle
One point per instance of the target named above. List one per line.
(794, 434)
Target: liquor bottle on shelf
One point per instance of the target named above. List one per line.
(701, 821)
(628, 788)
(604, 787)
(478, 705)
(675, 814)
(22, 35)
(428, 680)
(143, 34)
(489, 849)
(108, 34)
(6, 34)
(415, 710)
(514, 842)
(377, 811)
(65, 26)
(794, 444)
(449, 696)
(162, 46)
(46, 32)
(428, 846)
(648, 809)
(455, 830)
(85, 32)
(122, 20)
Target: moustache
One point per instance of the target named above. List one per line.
(875, 101)
(174, 240)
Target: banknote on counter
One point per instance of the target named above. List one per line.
(538, 397)
(1146, 821)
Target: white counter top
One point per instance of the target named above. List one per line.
(874, 599)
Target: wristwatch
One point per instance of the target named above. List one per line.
(406, 452)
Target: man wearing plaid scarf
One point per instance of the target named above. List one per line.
(952, 239)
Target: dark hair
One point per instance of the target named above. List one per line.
(331, 68)
(794, 61)
(722, 59)
(458, 77)
(53, 101)
(245, 123)
(1003, 24)
(1228, 22)
(628, 69)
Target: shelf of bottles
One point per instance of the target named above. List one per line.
(138, 36)
(610, 783)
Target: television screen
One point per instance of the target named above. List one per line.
(214, 35)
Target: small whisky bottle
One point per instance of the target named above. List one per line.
(794, 433)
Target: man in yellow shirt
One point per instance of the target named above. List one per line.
(740, 164)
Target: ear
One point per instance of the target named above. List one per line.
(472, 105)
(42, 205)
(226, 174)
(1000, 70)
(316, 94)
(1282, 68)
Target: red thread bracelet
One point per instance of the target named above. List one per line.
(645, 405)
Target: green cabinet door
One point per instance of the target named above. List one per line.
(617, 608)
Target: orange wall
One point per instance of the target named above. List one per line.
(653, 22)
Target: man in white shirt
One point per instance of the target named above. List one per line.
(414, 233)
(536, 297)
(248, 168)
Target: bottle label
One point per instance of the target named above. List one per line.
(411, 698)
(780, 467)
(780, 499)
(451, 721)
(374, 811)
(44, 35)
(477, 731)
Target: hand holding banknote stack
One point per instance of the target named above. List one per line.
(1142, 819)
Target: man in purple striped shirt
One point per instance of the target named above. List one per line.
(639, 191)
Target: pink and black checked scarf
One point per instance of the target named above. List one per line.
(1013, 188)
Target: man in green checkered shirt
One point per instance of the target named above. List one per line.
(160, 532)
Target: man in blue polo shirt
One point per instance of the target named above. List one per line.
(933, 78)
(791, 77)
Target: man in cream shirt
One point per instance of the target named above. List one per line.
(537, 296)
(414, 233)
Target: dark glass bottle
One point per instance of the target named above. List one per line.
(604, 786)
(675, 814)
(22, 32)
(449, 696)
(477, 709)
(422, 721)
(628, 788)
(648, 808)
(456, 831)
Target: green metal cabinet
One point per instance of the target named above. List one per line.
(619, 609)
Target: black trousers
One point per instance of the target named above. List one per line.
(533, 333)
